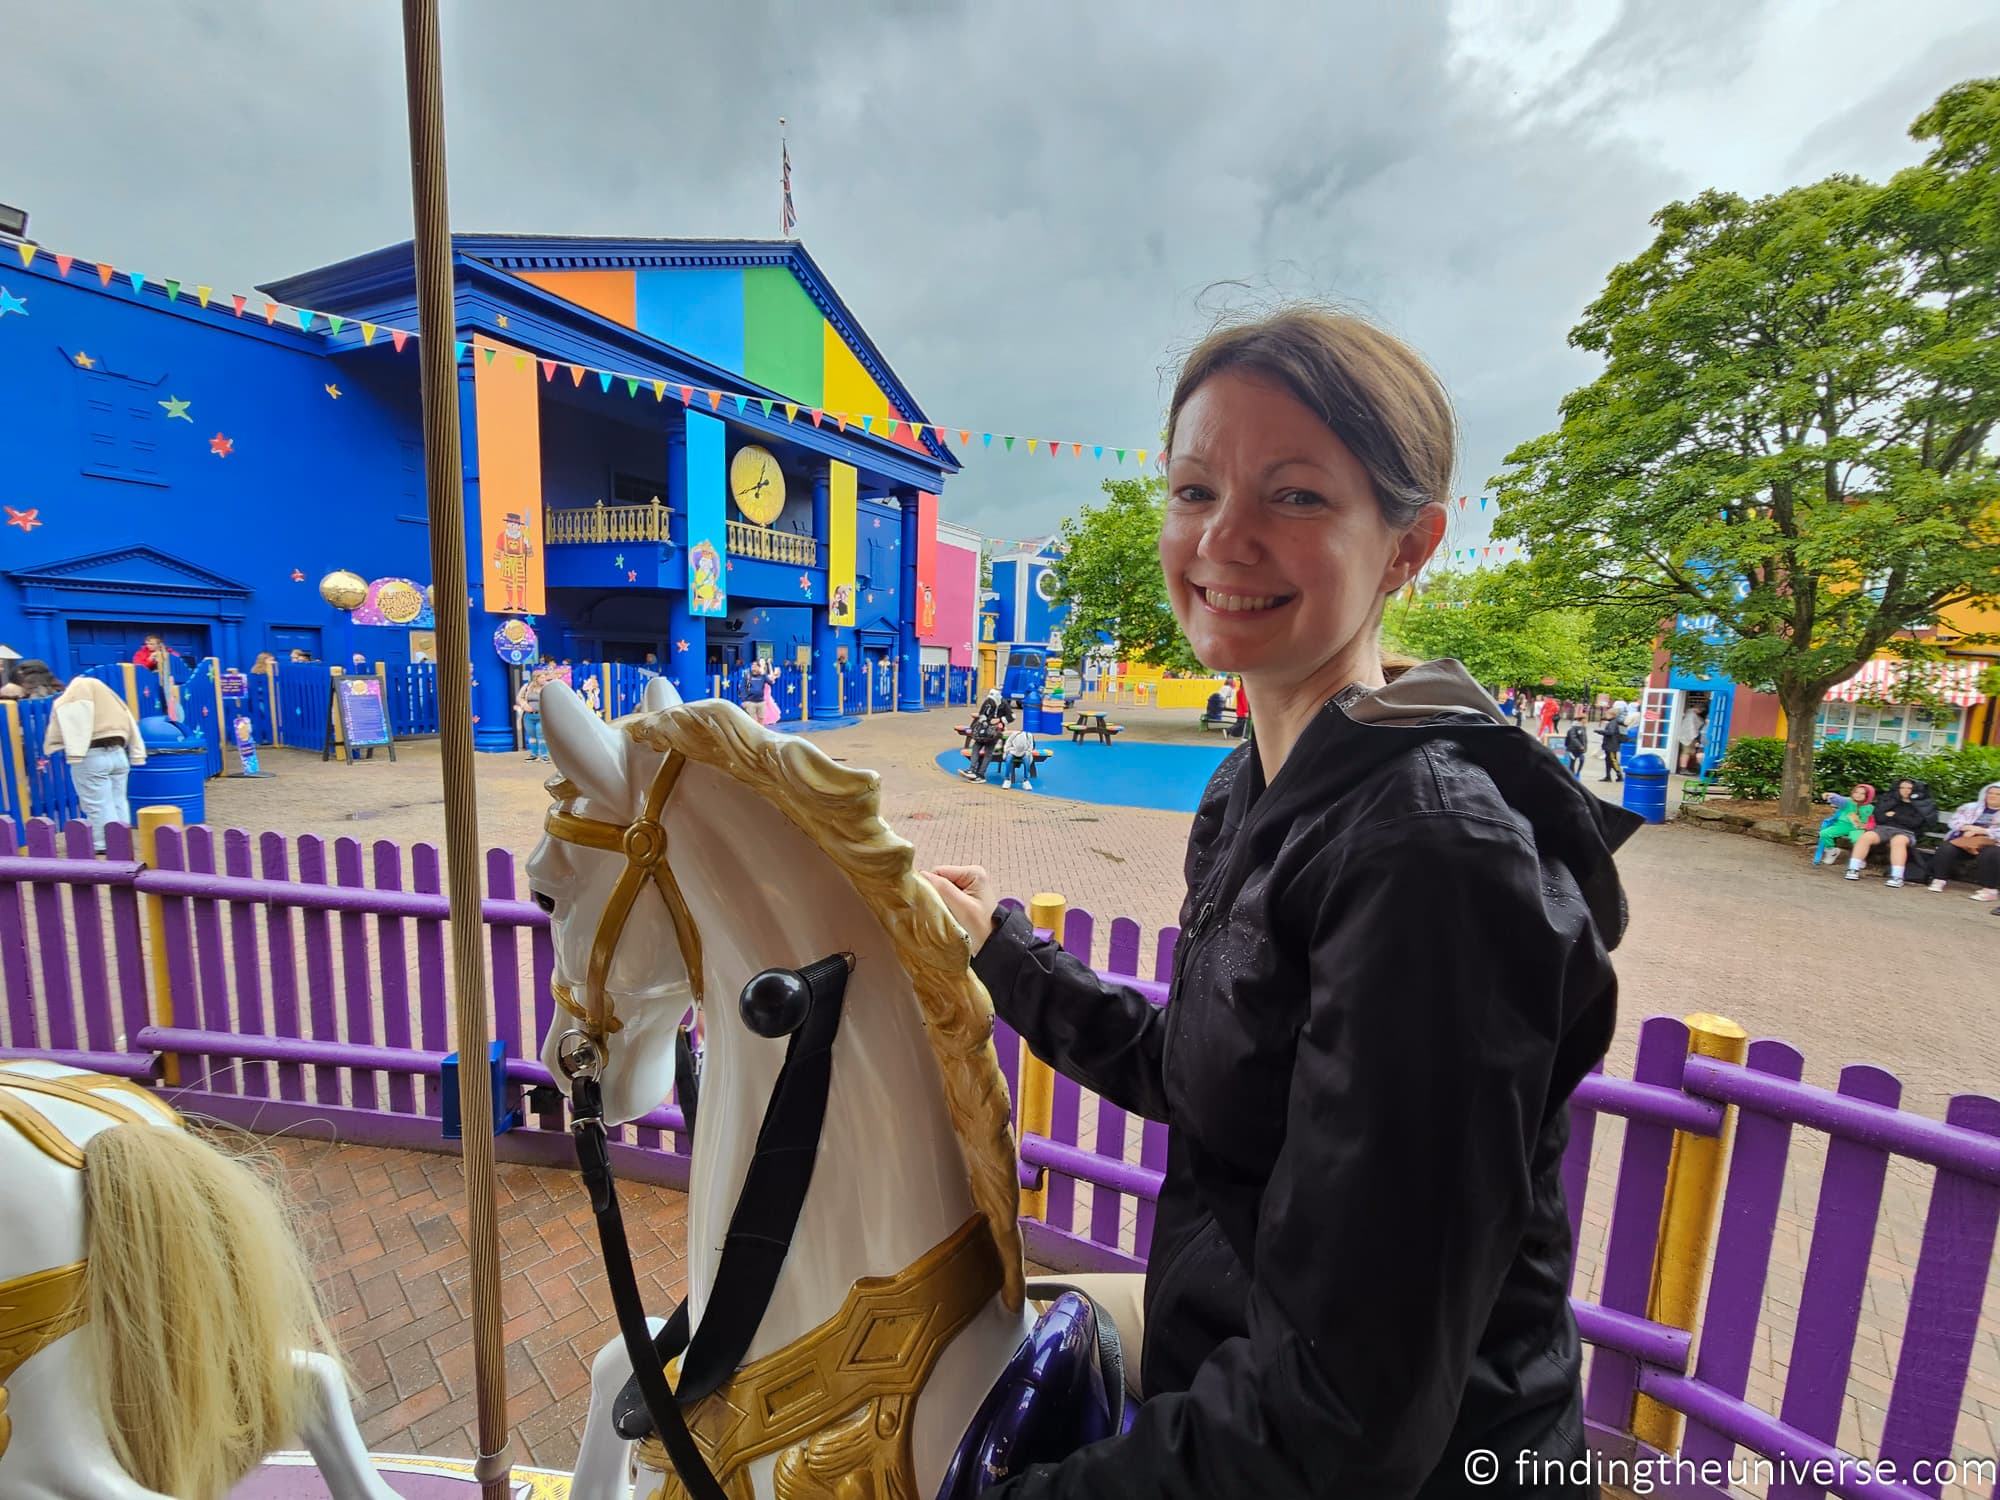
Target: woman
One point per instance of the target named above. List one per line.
(528, 707)
(36, 679)
(1610, 735)
(1852, 816)
(1900, 818)
(1974, 834)
(264, 663)
(1688, 737)
(1359, 1269)
(98, 736)
(154, 654)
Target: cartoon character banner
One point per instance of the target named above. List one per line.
(395, 601)
(927, 565)
(841, 511)
(507, 407)
(707, 531)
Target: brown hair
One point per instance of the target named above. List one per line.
(1372, 390)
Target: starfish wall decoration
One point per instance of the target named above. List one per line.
(27, 520)
(9, 303)
(221, 446)
(84, 361)
(177, 409)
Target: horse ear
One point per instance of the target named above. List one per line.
(585, 749)
(660, 693)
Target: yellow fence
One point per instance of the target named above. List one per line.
(606, 523)
(761, 542)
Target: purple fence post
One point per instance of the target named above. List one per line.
(274, 862)
(87, 923)
(1163, 954)
(171, 855)
(1123, 957)
(542, 966)
(1836, 1283)
(1627, 1279)
(323, 1018)
(244, 961)
(1065, 1106)
(23, 1029)
(127, 939)
(211, 966)
(1107, 1207)
(1742, 1252)
(1153, 1156)
(354, 969)
(52, 941)
(394, 960)
(503, 944)
(1945, 1298)
(435, 1035)
(1576, 1172)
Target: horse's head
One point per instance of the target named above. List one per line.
(617, 947)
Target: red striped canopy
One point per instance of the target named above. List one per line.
(1957, 682)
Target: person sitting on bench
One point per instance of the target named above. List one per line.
(985, 738)
(1217, 709)
(1021, 758)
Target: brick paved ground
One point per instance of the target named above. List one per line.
(1846, 972)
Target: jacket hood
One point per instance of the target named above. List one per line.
(1977, 805)
(1360, 730)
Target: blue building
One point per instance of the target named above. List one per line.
(194, 462)
(1027, 607)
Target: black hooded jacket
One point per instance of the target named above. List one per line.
(1917, 815)
(1393, 970)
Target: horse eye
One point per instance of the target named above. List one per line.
(546, 903)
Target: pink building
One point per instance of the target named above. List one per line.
(950, 640)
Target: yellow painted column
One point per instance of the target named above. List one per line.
(1687, 1219)
(23, 791)
(277, 712)
(130, 671)
(335, 732)
(151, 821)
(1037, 1080)
(604, 677)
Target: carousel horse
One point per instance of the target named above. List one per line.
(157, 1320)
(853, 1150)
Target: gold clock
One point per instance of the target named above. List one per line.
(757, 484)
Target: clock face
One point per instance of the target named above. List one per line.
(757, 484)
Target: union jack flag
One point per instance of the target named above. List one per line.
(788, 218)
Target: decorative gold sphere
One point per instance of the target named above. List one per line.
(342, 589)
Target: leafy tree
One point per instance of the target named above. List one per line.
(1791, 437)
(1480, 619)
(1110, 576)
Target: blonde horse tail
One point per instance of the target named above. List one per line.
(197, 1295)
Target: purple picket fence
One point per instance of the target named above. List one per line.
(307, 990)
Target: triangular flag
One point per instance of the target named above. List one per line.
(1482, 502)
(236, 298)
(986, 440)
(548, 369)
(1076, 450)
(839, 420)
(631, 385)
(1121, 454)
(28, 253)
(687, 394)
(895, 426)
(105, 271)
(138, 280)
(457, 350)
(367, 334)
(1097, 451)
(766, 405)
(816, 414)
(489, 351)
(64, 262)
(334, 324)
(1031, 444)
(1009, 442)
(659, 390)
(173, 291)
(520, 360)
(1142, 457)
(741, 403)
(398, 337)
(604, 381)
(305, 319)
(715, 401)
(576, 374)
(203, 293)
(868, 423)
(965, 436)
(791, 411)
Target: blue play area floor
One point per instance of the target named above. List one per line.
(1125, 773)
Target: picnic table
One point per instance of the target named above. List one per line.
(1093, 723)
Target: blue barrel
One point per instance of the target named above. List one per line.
(1646, 787)
(175, 773)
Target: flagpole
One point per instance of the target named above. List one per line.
(437, 326)
(784, 182)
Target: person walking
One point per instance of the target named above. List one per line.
(1576, 745)
(1611, 734)
(91, 728)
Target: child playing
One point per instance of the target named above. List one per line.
(1576, 745)
(1021, 757)
(1852, 817)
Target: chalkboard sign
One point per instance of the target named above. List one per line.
(358, 718)
(233, 684)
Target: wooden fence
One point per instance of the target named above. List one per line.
(302, 985)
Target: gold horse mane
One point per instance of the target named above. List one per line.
(839, 809)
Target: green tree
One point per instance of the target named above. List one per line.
(1791, 439)
(1480, 619)
(1109, 574)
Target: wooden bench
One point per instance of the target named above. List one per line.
(1227, 719)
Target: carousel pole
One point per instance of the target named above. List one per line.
(437, 325)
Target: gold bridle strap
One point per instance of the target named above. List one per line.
(644, 845)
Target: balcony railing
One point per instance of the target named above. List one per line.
(761, 542)
(606, 523)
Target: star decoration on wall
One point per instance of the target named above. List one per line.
(177, 409)
(805, 584)
(681, 646)
(297, 576)
(631, 575)
(221, 446)
(618, 561)
(732, 565)
(9, 303)
(876, 522)
(501, 319)
(871, 598)
(333, 390)
(42, 761)
(84, 361)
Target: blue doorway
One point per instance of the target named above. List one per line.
(285, 639)
(101, 643)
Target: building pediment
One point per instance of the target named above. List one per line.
(135, 570)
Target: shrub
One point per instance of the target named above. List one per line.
(1839, 764)
(1955, 776)
(1752, 769)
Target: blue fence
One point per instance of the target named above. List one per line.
(50, 792)
(413, 700)
(947, 685)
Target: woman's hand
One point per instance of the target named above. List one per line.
(968, 894)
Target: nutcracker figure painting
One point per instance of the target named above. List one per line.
(511, 550)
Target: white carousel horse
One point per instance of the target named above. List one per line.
(692, 848)
(156, 1316)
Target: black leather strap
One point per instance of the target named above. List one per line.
(687, 1082)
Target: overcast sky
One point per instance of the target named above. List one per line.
(1033, 208)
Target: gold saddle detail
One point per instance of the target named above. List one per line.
(35, 1311)
(839, 1401)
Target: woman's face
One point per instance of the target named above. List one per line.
(1275, 552)
(1993, 798)
(1905, 790)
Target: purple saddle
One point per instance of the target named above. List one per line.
(1063, 1388)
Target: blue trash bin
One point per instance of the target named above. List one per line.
(1646, 787)
(175, 773)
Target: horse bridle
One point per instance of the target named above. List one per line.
(805, 1004)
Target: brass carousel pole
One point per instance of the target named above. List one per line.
(437, 325)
